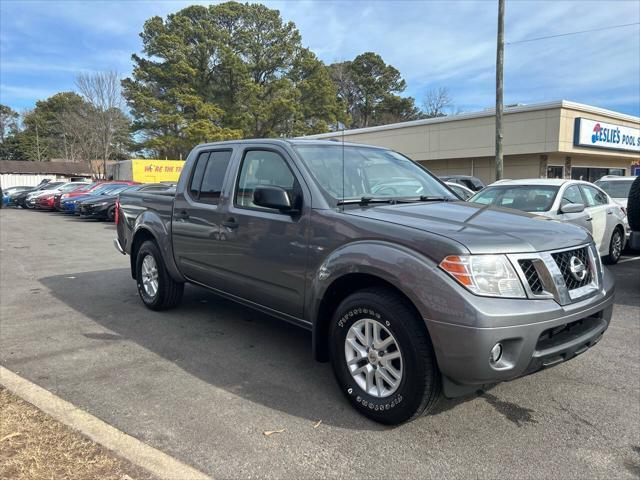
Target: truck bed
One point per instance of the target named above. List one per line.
(154, 206)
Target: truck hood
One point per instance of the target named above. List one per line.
(481, 229)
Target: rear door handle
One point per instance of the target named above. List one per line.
(589, 219)
(231, 223)
(183, 215)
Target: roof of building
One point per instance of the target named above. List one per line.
(45, 168)
(489, 112)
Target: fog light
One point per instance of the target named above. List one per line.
(496, 353)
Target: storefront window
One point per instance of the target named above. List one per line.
(554, 171)
(591, 174)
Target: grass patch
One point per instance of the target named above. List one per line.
(34, 446)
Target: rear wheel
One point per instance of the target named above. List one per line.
(156, 288)
(615, 247)
(382, 357)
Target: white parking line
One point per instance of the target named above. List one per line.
(629, 259)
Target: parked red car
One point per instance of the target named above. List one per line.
(45, 202)
(85, 190)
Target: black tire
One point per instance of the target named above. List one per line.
(633, 206)
(420, 386)
(111, 213)
(616, 245)
(169, 292)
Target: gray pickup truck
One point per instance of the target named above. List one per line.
(408, 291)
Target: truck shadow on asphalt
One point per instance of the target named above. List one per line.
(232, 347)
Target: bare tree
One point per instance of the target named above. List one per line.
(102, 92)
(437, 102)
(79, 136)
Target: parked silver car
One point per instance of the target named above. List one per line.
(617, 187)
(573, 201)
(463, 192)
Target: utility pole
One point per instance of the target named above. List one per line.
(499, 92)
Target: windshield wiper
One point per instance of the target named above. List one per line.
(367, 200)
(364, 201)
(434, 198)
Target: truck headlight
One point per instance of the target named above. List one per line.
(487, 275)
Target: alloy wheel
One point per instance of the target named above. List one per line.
(373, 358)
(616, 245)
(150, 276)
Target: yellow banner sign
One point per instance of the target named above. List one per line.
(154, 171)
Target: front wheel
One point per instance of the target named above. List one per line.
(382, 357)
(156, 288)
(615, 247)
(111, 213)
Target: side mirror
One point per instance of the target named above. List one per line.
(572, 208)
(272, 197)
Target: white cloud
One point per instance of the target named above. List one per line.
(24, 92)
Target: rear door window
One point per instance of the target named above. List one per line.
(213, 177)
(208, 176)
(593, 196)
(198, 173)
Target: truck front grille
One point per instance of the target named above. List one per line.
(558, 274)
(563, 260)
(531, 274)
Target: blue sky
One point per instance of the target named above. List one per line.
(43, 45)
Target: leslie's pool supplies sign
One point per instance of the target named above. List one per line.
(593, 133)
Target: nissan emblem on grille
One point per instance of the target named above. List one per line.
(578, 268)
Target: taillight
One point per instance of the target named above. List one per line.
(117, 215)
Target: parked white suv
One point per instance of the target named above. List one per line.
(617, 187)
(572, 201)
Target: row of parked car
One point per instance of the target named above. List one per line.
(96, 200)
(598, 207)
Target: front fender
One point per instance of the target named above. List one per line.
(150, 223)
(414, 274)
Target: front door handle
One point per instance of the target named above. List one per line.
(589, 219)
(183, 215)
(231, 223)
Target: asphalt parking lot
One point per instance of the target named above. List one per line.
(204, 381)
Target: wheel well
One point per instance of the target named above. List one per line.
(140, 237)
(340, 289)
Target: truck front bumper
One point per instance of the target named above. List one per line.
(551, 335)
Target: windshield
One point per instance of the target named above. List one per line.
(88, 186)
(70, 187)
(106, 188)
(52, 185)
(617, 188)
(368, 172)
(117, 189)
(528, 198)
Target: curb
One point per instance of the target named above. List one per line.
(154, 461)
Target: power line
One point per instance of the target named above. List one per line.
(572, 33)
